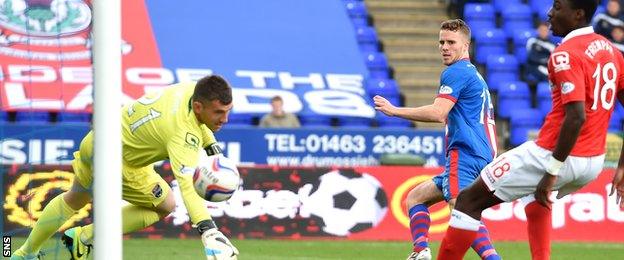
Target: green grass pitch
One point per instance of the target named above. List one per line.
(331, 249)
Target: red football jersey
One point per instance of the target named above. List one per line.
(585, 67)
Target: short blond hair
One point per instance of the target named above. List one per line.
(456, 25)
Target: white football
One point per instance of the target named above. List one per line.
(216, 177)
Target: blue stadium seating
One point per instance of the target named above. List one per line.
(501, 5)
(544, 97)
(367, 38)
(32, 116)
(517, 16)
(358, 122)
(521, 122)
(236, 119)
(538, 6)
(488, 42)
(390, 121)
(520, 38)
(382, 87)
(74, 117)
(377, 64)
(357, 12)
(512, 96)
(314, 120)
(480, 15)
(501, 69)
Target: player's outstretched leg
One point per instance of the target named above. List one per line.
(79, 240)
(539, 224)
(53, 216)
(419, 228)
(418, 200)
(73, 243)
(483, 245)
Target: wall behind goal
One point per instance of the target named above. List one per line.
(363, 203)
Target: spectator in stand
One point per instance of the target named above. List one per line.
(617, 37)
(278, 117)
(605, 22)
(538, 51)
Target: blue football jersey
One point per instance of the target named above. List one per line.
(470, 124)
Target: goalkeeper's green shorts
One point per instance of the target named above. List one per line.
(141, 186)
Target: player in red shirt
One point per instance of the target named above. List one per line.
(585, 74)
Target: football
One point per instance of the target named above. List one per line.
(216, 177)
(348, 202)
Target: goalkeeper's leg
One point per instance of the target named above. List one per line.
(53, 216)
(135, 218)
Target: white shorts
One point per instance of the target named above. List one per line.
(517, 172)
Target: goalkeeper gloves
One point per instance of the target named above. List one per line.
(216, 245)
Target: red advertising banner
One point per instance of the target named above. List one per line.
(587, 215)
(364, 203)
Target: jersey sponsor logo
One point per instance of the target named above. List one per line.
(192, 140)
(561, 61)
(567, 87)
(445, 90)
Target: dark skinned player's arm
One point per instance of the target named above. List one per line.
(570, 128)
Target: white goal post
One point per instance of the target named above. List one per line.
(107, 129)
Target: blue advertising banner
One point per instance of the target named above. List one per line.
(40, 143)
(329, 147)
(55, 143)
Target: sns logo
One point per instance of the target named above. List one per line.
(561, 61)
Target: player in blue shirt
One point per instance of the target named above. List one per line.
(464, 104)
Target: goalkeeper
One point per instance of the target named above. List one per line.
(175, 124)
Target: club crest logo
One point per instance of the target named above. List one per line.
(45, 17)
(561, 61)
(46, 30)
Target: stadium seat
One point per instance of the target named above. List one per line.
(516, 16)
(544, 97)
(501, 5)
(521, 122)
(314, 120)
(512, 96)
(501, 69)
(377, 64)
(382, 87)
(74, 117)
(488, 42)
(367, 38)
(32, 116)
(480, 15)
(357, 12)
(236, 119)
(351, 121)
(520, 38)
(390, 121)
(538, 6)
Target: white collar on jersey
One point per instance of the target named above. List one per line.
(578, 32)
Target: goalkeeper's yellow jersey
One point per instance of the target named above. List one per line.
(161, 126)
